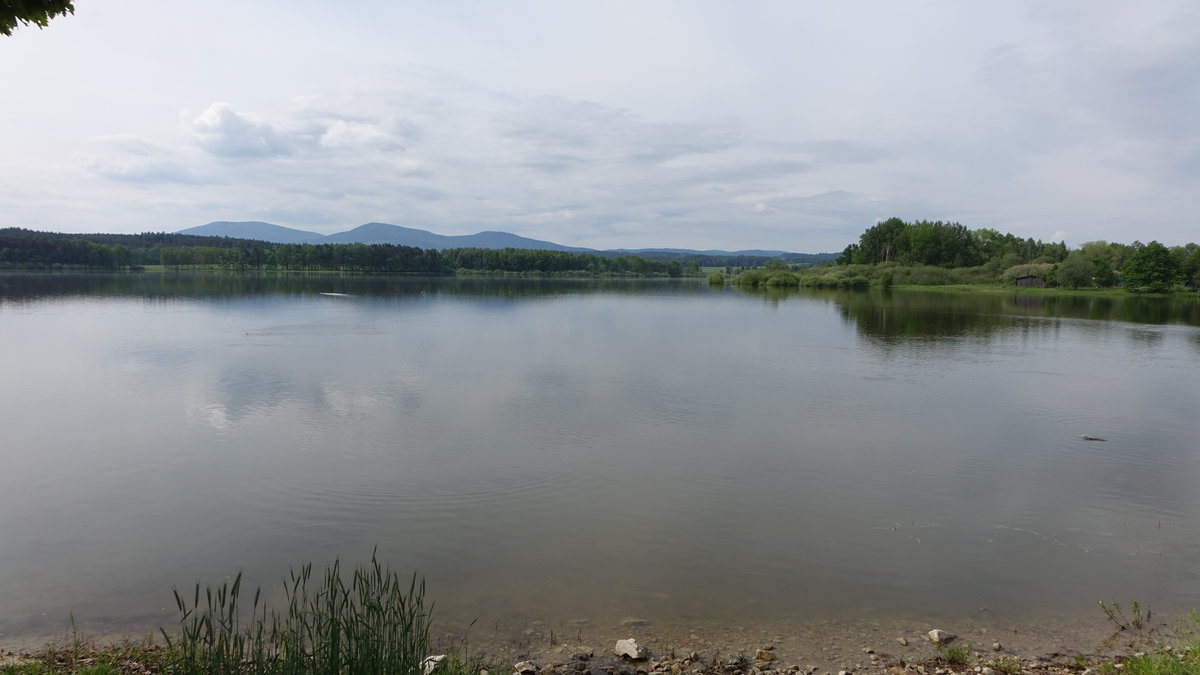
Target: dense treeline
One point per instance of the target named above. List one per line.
(944, 245)
(29, 249)
(935, 253)
(309, 257)
(731, 260)
(26, 248)
(512, 260)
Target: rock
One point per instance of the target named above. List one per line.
(903, 641)
(996, 646)
(431, 662)
(987, 671)
(551, 669)
(940, 637)
(763, 658)
(631, 649)
(525, 668)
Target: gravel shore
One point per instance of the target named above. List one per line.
(984, 645)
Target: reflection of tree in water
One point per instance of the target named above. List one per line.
(915, 315)
(906, 316)
(33, 286)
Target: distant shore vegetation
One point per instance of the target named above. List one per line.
(924, 253)
(28, 249)
(890, 253)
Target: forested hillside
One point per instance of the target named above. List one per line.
(27, 249)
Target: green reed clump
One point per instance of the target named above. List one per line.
(1158, 654)
(956, 655)
(376, 623)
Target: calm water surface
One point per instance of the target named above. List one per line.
(593, 449)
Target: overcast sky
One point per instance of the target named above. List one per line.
(694, 124)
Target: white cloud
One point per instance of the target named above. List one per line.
(224, 132)
(351, 135)
(136, 160)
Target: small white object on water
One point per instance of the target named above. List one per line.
(431, 662)
(335, 295)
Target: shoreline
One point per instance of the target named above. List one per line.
(714, 646)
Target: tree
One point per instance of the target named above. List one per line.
(1151, 267)
(1074, 271)
(1191, 269)
(38, 12)
(881, 242)
(1103, 274)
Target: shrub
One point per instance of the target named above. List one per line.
(783, 280)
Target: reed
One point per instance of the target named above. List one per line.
(375, 623)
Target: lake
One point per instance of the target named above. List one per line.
(584, 450)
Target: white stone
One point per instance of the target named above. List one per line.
(941, 637)
(431, 662)
(525, 667)
(630, 648)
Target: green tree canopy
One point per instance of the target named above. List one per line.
(39, 12)
(1074, 271)
(1150, 268)
(1103, 274)
(942, 244)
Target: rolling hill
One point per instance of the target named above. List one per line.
(386, 233)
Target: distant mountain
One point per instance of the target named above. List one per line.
(257, 230)
(492, 239)
(386, 233)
